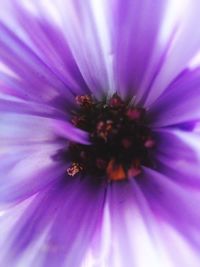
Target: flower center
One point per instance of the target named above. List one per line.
(120, 139)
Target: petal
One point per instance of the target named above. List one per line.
(12, 86)
(131, 234)
(80, 61)
(89, 43)
(180, 102)
(16, 106)
(183, 16)
(19, 182)
(177, 155)
(67, 231)
(51, 46)
(174, 204)
(138, 54)
(68, 131)
(30, 68)
(28, 145)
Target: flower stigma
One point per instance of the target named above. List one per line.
(121, 140)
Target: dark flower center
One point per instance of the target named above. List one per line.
(120, 139)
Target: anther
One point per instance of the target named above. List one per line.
(149, 143)
(115, 101)
(126, 143)
(84, 100)
(78, 120)
(101, 163)
(134, 172)
(135, 113)
(74, 169)
(104, 128)
(115, 171)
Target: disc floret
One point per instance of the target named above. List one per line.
(121, 140)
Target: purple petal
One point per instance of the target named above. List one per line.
(29, 67)
(51, 46)
(180, 102)
(177, 156)
(27, 172)
(184, 46)
(68, 214)
(173, 203)
(16, 106)
(68, 131)
(136, 43)
(87, 43)
(128, 229)
(12, 86)
(28, 145)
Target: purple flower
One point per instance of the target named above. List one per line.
(99, 148)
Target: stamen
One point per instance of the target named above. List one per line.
(115, 171)
(84, 100)
(104, 129)
(101, 164)
(149, 143)
(74, 169)
(78, 121)
(115, 101)
(134, 172)
(135, 113)
(127, 142)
